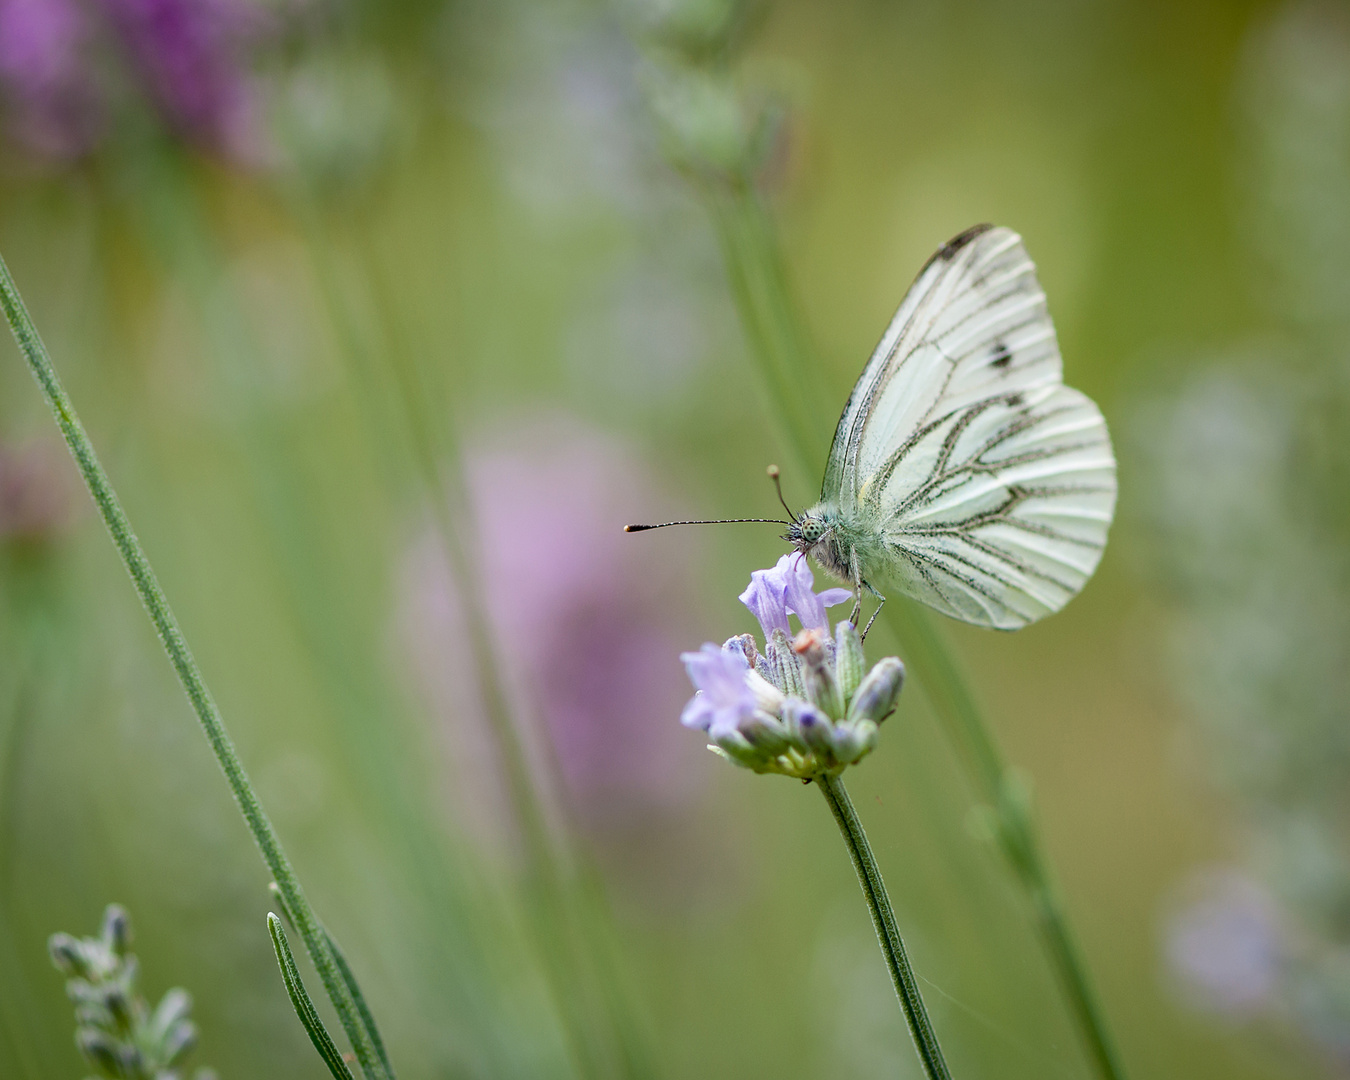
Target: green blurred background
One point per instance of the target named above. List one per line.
(300, 262)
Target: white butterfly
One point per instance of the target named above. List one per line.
(963, 471)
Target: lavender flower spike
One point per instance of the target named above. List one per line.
(807, 707)
(724, 697)
(786, 588)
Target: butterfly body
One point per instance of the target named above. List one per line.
(963, 471)
(842, 543)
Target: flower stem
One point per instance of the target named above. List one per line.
(175, 645)
(883, 921)
(783, 358)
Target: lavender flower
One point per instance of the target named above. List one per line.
(724, 699)
(803, 708)
(53, 104)
(188, 55)
(788, 588)
(117, 1031)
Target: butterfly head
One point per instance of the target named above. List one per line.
(806, 532)
(821, 533)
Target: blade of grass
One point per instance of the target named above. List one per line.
(304, 1007)
(180, 656)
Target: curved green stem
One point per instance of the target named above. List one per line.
(175, 645)
(883, 921)
(783, 358)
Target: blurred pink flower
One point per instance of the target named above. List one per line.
(50, 97)
(589, 621)
(190, 56)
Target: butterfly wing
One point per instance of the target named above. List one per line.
(992, 484)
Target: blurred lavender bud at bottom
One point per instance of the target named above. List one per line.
(1224, 944)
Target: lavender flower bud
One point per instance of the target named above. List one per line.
(173, 1007)
(67, 955)
(117, 1001)
(101, 1051)
(180, 1038)
(746, 643)
(810, 725)
(92, 1014)
(854, 741)
(765, 733)
(116, 927)
(736, 747)
(849, 663)
(817, 672)
(876, 696)
(787, 670)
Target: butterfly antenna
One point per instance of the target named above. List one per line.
(778, 486)
(717, 521)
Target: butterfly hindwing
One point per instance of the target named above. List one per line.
(992, 484)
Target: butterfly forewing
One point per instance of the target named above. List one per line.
(992, 483)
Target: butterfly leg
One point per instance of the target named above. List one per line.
(882, 599)
(857, 594)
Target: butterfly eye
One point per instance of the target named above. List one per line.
(812, 530)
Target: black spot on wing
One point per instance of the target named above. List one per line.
(1002, 357)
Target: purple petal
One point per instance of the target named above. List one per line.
(724, 698)
(801, 598)
(766, 598)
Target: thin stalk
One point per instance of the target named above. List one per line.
(180, 656)
(883, 921)
(778, 340)
(591, 1014)
(592, 1029)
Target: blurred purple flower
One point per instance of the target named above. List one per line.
(189, 54)
(724, 698)
(1226, 945)
(789, 587)
(588, 622)
(45, 77)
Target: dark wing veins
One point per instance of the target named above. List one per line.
(943, 474)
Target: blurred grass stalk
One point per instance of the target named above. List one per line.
(601, 1038)
(363, 1041)
(783, 358)
(599, 1042)
(178, 231)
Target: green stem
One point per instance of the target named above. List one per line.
(783, 357)
(883, 921)
(166, 625)
(591, 1010)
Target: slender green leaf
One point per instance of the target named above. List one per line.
(304, 1007)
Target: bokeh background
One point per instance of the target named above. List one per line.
(327, 278)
